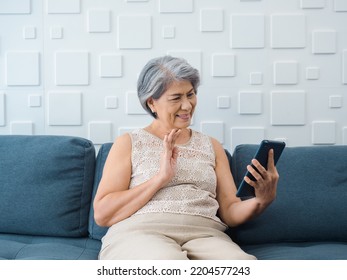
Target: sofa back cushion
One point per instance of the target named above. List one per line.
(45, 185)
(311, 196)
(95, 231)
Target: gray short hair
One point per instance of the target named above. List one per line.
(159, 73)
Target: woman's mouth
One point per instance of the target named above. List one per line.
(184, 117)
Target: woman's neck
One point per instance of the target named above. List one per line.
(160, 131)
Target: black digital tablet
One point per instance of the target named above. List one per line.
(245, 190)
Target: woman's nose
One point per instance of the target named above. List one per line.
(186, 105)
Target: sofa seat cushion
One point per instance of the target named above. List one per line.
(311, 197)
(26, 247)
(46, 185)
(95, 231)
(299, 251)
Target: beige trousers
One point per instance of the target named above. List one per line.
(164, 236)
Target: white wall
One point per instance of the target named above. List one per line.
(270, 68)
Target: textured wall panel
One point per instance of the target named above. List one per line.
(29, 32)
(335, 101)
(56, 32)
(250, 102)
(100, 132)
(2, 109)
(285, 72)
(323, 132)
(110, 65)
(99, 21)
(223, 65)
(288, 108)
(134, 32)
(340, 5)
(324, 41)
(223, 102)
(63, 6)
(268, 68)
(15, 7)
(133, 106)
(312, 73)
(22, 68)
(344, 136)
(168, 31)
(65, 108)
(312, 4)
(211, 20)
(111, 102)
(344, 66)
(247, 31)
(175, 6)
(71, 68)
(34, 100)
(22, 128)
(288, 31)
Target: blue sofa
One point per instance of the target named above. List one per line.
(47, 185)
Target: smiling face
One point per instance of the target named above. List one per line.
(176, 106)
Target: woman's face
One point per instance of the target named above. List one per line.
(176, 106)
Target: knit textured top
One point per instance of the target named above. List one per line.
(192, 191)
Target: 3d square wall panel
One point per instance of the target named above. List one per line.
(324, 41)
(15, 7)
(176, 6)
(255, 78)
(22, 128)
(71, 68)
(288, 108)
(99, 20)
(63, 6)
(34, 100)
(211, 20)
(344, 136)
(65, 108)
(56, 32)
(324, 132)
(312, 4)
(247, 31)
(100, 132)
(2, 109)
(22, 68)
(250, 102)
(335, 101)
(312, 73)
(285, 73)
(288, 31)
(340, 5)
(168, 31)
(344, 66)
(223, 65)
(110, 65)
(111, 102)
(223, 102)
(29, 32)
(134, 32)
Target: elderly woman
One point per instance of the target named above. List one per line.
(167, 191)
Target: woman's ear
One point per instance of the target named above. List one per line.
(150, 104)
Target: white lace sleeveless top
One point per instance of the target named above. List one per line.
(193, 189)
